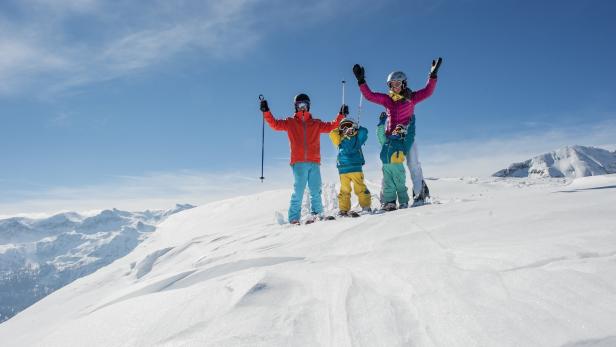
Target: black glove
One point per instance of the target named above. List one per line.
(263, 106)
(359, 73)
(436, 64)
(344, 109)
(382, 118)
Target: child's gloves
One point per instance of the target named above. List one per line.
(382, 118)
(344, 109)
(264, 107)
(359, 73)
(436, 64)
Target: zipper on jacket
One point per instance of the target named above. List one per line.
(305, 142)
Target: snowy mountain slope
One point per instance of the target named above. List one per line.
(499, 262)
(38, 256)
(570, 161)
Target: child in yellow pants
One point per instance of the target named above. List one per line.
(348, 138)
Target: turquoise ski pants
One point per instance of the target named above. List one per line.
(305, 173)
(394, 183)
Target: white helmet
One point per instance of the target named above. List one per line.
(397, 76)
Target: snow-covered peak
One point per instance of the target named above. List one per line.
(38, 256)
(570, 161)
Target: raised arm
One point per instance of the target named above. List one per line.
(276, 124)
(334, 135)
(423, 94)
(380, 134)
(380, 129)
(360, 75)
(325, 127)
(377, 98)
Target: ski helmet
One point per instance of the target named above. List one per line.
(301, 100)
(397, 76)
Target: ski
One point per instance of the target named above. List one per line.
(311, 220)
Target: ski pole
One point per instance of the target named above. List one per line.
(261, 98)
(343, 84)
(361, 97)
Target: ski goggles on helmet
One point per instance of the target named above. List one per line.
(395, 84)
(302, 105)
(346, 125)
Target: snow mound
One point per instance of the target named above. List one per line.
(495, 263)
(570, 162)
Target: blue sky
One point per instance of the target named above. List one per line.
(156, 101)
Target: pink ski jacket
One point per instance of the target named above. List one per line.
(401, 111)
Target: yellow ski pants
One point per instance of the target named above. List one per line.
(362, 192)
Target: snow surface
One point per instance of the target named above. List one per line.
(494, 262)
(570, 161)
(38, 256)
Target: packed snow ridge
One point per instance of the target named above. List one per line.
(38, 256)
(492, 262)
(570, 162)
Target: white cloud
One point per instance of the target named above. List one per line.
(483, 157)
(21, 60)
(58, 45)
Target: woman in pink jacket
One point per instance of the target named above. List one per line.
(400, 104)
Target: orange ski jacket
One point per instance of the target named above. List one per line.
(304, 134)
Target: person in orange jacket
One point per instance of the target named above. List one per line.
(304, 134)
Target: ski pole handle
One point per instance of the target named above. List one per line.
(263, 106)
(343, 84)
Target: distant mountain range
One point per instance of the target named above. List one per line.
(39, 256)
(570, 162)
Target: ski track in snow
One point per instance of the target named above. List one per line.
(492, 262)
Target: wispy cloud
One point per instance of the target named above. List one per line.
(59, 45)
(60, 120)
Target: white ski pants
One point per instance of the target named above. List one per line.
(412, 162)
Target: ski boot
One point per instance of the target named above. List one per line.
(403, 206)
(311, 219)
(315, 217)
(388, 206)
(352, 214)
(365, 210)
(421, 198)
